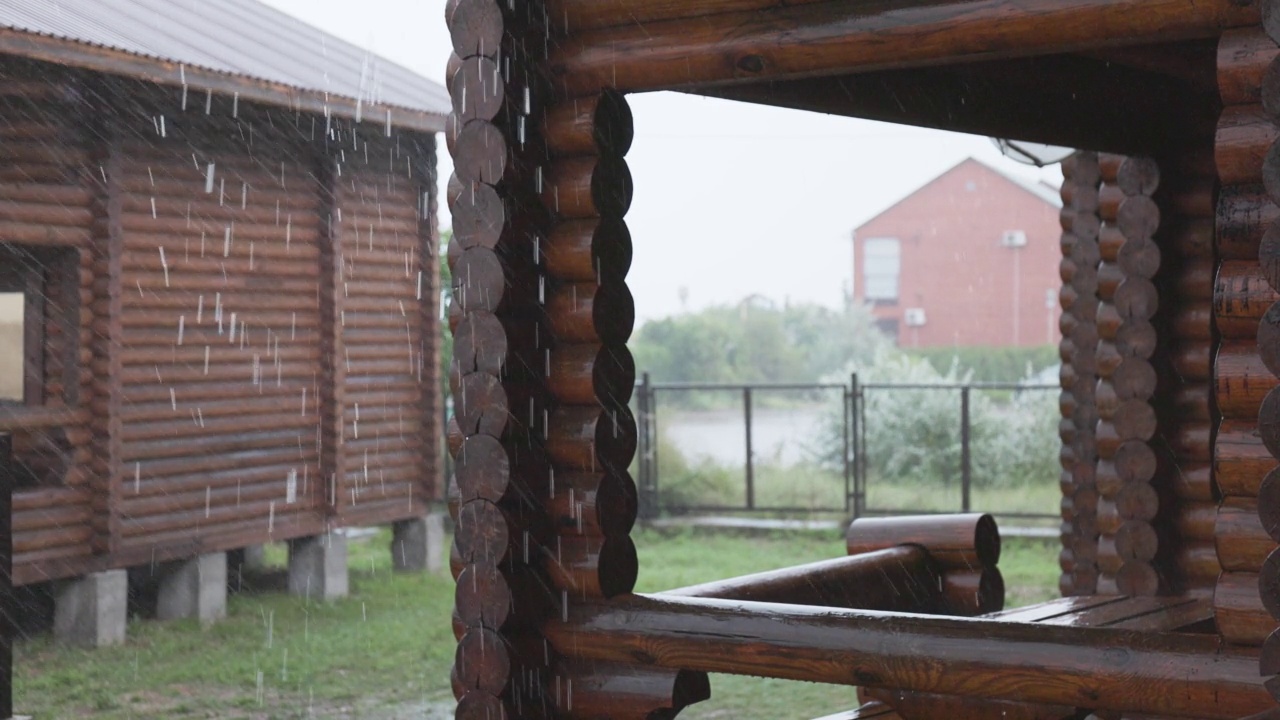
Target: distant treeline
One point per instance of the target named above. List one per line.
(759, 343)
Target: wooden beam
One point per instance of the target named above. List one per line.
(1060, 100)
(807, 40)
(1098, 668)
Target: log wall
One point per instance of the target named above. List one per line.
(1243, 294)
(240, 318)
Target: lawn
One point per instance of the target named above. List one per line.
(385, 652)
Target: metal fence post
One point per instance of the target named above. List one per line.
(854, 463)
(966, 469)
(648, 469)
(751, 475)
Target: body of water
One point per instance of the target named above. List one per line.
(779, 436)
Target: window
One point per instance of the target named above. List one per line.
(882, 263)
(12, 346)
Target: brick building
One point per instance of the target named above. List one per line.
(969, 259)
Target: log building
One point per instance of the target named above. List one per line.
(1170, 340)
(221, 227)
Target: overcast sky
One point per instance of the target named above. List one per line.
(731, 199)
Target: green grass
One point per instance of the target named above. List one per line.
(389, 643)
(385, 652)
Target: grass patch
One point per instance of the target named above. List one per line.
(389, 643)
(385, 652)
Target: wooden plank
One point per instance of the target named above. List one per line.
(1054, 608)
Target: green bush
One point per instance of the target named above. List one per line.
(989, 364)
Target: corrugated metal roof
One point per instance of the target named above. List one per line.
(238, 37)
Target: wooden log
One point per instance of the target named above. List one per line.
(480, 92)
(811, 40)
(1244, 136)
(1196, 565)
(1243, 381)
(1241, 617)
(959, 542)
(1244, 214)
(590, 250)
(1241, 461)
(902, 579)
(1269, 339)
(588, 373)
(1269, 504)
(592, 567)
(627, 692)
(1242, 296)
(973, 592)
(1269, 421)
(1160, 674)
(482, 405)
(479, 217)
(1269, 583)
(590, 438)
(931, 705)
(476, 27)
(597, 504)
(588, 187)
(591, 313)
(1241, 541)
(599, 124)
(1131, 175)
(1243, 57)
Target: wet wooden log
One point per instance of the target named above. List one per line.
(1244, 214)
(808, 40)
(626, 692)
(1243, 381)
(587, 187)
(1242, 543)
(1241, 461)
(972, 592)
(590, 250)
(961, 542)
(589, 373)
(1160, 674)
(902, 579)
(1241, 617)
(1245, 135)
(599, 504)
(592, 567)
(599, 124)
(1242, 296)
(591, 313)
(931, 705)
(1243, 57)
(591, 438)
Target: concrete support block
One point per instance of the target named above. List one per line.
(419, 544)
(92, 611)
(193, 588)
(318, 566)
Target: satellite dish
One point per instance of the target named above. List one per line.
(1029, 153)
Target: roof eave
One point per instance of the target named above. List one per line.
(77, 54)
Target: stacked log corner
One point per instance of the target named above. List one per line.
(1247, 314)
(1078, 323)
(1186, 559)
(963, 550)
(1127, 502)
(541, 313)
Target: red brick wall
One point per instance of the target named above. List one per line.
(955, 268)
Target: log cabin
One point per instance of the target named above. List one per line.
(1170, 342)
(224, 258)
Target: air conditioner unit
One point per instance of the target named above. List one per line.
(1013, 239)
(913, 317)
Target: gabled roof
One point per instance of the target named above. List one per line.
(241, 47)
(1040, 190)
